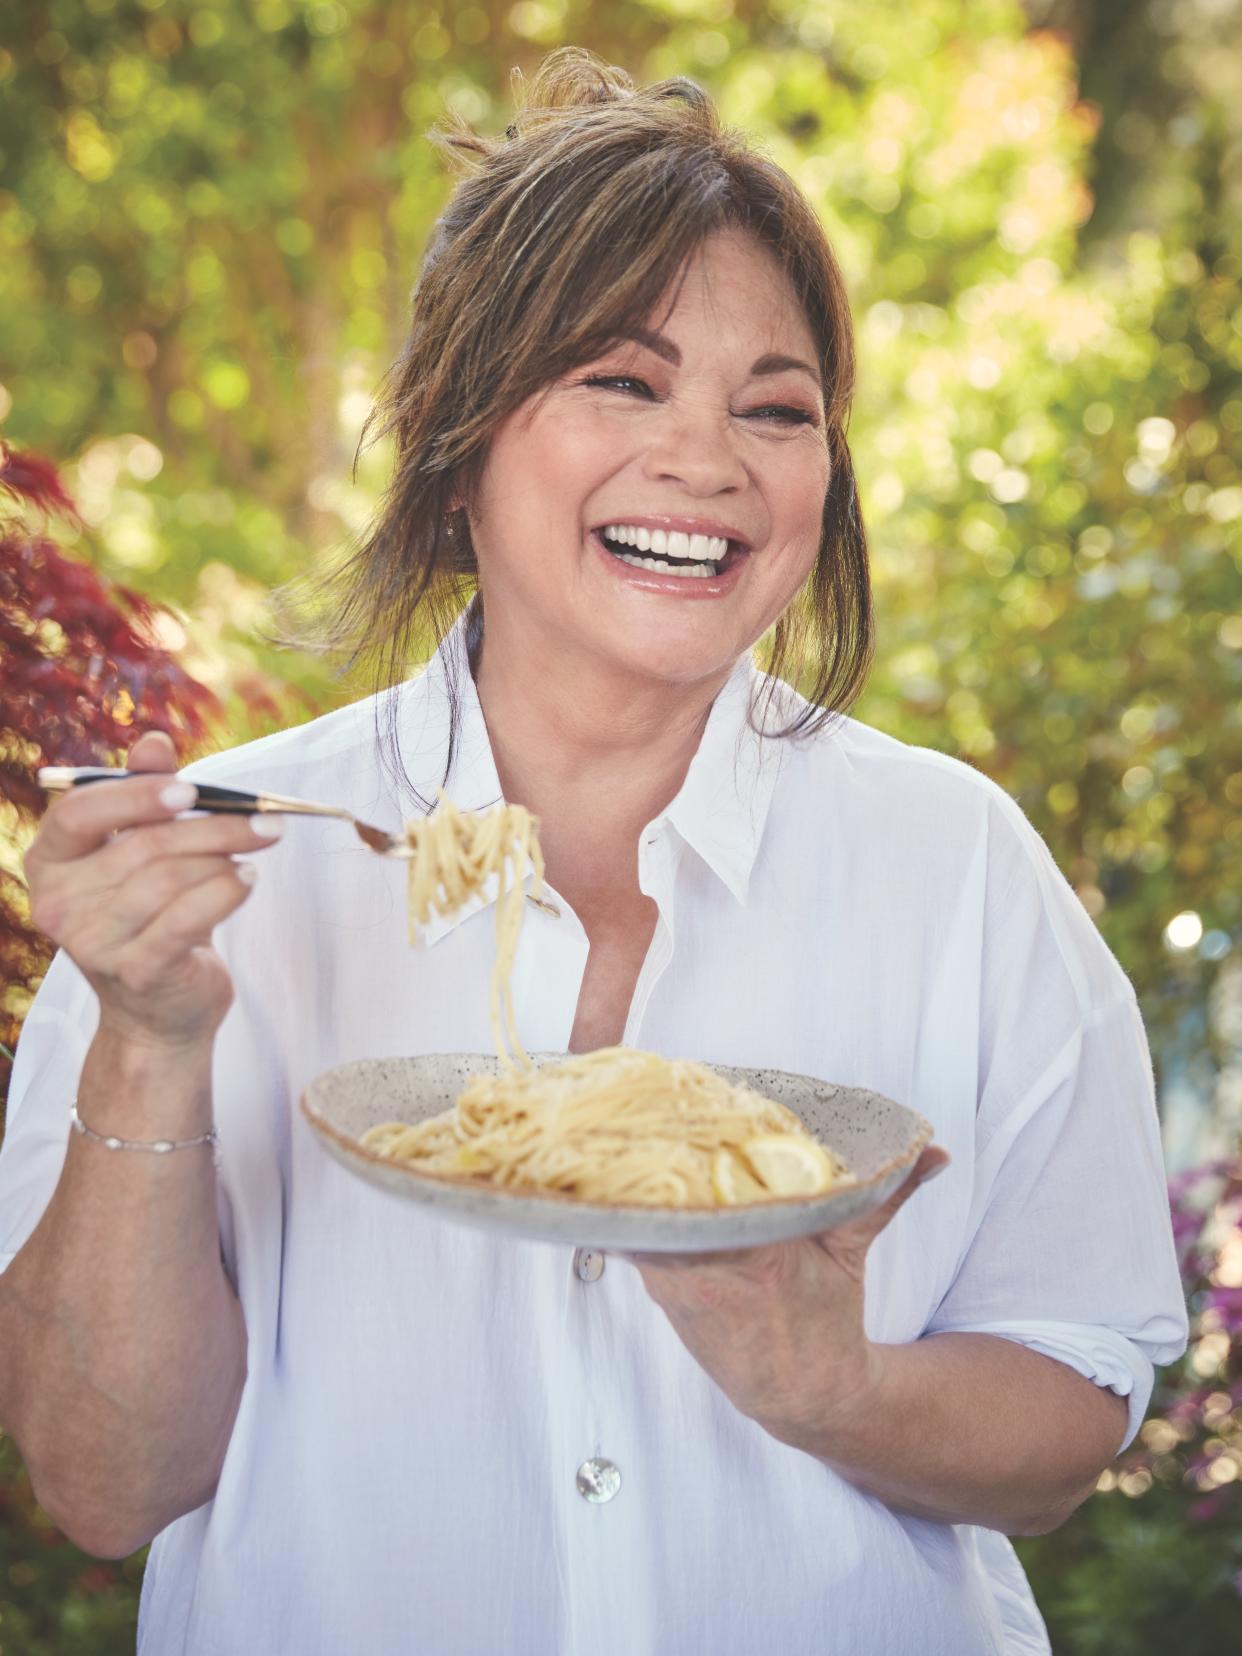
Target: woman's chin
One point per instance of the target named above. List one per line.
(676, 656)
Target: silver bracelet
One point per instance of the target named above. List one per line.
(160, 1147)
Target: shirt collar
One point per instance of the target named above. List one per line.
(722, 807)
(720, 811)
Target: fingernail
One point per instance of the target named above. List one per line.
(247, 873)
(179, 796)
(940, 1167)
(267, 827)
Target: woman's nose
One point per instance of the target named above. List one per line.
(697, 448)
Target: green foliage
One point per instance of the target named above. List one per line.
(54, 1601)
(1134, 1579)
(1154, 1560)
(210, 220)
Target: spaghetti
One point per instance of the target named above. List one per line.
(616, 1125)
(454, 855)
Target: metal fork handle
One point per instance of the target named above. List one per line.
(211, 797)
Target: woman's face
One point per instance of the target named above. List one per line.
(655, 511)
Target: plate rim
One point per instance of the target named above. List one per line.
(564, 1202)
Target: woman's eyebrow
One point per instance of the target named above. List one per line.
(775, 364)
(772, 363)
(657, 342)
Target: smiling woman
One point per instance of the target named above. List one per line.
(619, 425)
(536, 328)
(695, 440)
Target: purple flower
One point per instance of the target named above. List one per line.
(1180, 1183)
(1208, 1507)
(1228, 1301)
(1186, 1226)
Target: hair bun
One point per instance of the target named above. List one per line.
(568, 78)
(571, 82)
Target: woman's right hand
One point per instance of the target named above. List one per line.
(132, 895)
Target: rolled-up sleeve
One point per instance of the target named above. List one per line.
(1070, 1246)
(55, 1036)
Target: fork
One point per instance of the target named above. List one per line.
(228, 802)
(235, 802)
(56, 779)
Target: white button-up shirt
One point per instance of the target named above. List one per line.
(408, 1472)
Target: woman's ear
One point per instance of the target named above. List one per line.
(458, 542)
(456, 507)
(456, 518)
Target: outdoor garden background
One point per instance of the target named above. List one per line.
(210, 219)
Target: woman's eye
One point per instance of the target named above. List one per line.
(775, 413)
(782, 414)
(620, 382)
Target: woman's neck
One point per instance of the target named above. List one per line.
(594, 753)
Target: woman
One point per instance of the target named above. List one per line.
(356, 1427)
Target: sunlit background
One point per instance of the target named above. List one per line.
(210, 219)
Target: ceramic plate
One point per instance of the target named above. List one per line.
(878, 1140)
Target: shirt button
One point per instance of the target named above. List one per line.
(598, 1481)
(588, 1264)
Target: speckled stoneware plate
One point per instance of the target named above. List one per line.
(878, 1140)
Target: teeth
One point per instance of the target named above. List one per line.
(673, 543)
(662, 568)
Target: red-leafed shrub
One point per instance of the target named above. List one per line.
(81, 677)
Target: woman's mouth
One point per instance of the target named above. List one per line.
(671, 553)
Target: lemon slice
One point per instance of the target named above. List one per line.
(733, 1182)
(790, 1166)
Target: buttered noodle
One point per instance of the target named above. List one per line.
(615, 1125)
(609, 1126)
(455, 854)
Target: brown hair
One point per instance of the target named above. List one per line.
(530, 273)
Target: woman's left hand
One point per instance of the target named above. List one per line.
(780, 1328)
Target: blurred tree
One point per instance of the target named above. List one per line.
(83, 676)
(1165, 76)
(1154, 1562)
